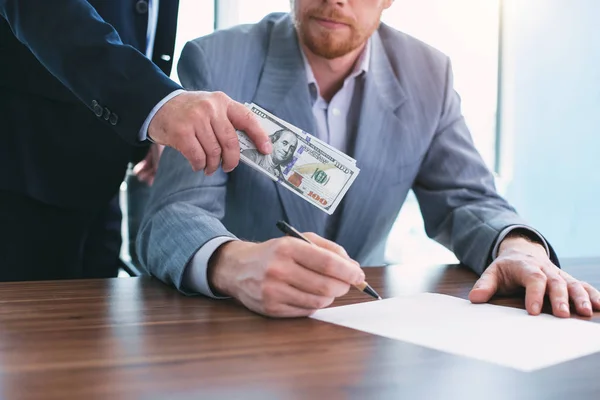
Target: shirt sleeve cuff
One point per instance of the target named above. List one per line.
(511, 228)
(195, 276)
(143, 134)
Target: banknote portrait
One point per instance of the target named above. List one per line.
(285, 143)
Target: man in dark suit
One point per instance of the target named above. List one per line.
(79, 99)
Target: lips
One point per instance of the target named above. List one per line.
(329, 22)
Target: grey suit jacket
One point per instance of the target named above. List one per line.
(410, 134)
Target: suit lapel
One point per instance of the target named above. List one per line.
(374, 150)
(283, 91)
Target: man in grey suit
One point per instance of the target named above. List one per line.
(379, 95)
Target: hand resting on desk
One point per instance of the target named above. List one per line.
(284, 277)
(523, 264)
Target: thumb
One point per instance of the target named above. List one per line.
(243, 119)
(485, 287)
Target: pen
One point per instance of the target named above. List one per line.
(290, 230)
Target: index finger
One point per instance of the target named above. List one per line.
(327, 262)
(243, 119)
(326, 244)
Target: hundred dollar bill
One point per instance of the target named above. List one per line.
(301, 132)
(309, 168)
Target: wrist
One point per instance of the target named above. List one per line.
(222, 268)
(519, 242)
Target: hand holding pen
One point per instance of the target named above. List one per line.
(290, 230)
(283, 277)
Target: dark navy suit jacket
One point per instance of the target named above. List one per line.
(75, 89)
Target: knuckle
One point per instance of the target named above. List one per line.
(340, 250)
(539, 276)
(220, 96)
(284, 247)
(574, 286)
(208, 108)
(231, 141)
(215, 151)
(273, 272)
(555, 281)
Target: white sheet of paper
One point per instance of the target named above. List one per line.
(496, 334)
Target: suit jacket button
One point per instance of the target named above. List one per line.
(141, 6)
(114, 118)
(97, 108)
(106, 114)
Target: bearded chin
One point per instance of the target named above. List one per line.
(327, 46)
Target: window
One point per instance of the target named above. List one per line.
(196, 18)
(468, 32)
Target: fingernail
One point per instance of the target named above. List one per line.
(268, 147)
(586, 304)
(535, 307)
(564, 307)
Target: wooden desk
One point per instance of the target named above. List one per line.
(136, 338)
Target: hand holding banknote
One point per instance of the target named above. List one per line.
(300, 162)
(201, 125)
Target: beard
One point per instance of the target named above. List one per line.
(333, 43)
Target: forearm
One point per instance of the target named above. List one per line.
(183, 213)
(87, 55)
(169, 241)
(473, 231)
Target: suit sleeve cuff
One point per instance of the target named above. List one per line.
(143, 134)
(511, 228)
(195, 276)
